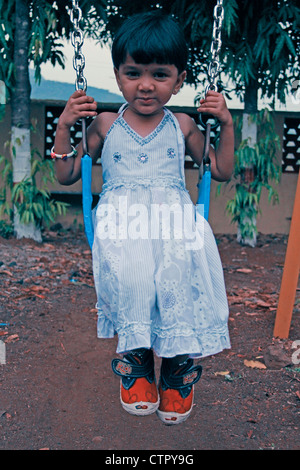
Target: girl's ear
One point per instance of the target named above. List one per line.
(180, 79)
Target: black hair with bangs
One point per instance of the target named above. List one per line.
(151, 37)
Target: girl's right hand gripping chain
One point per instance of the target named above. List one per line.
(78, 106)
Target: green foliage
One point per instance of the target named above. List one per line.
(7, 19)
(44, 42)
(261, 160)
(32, 201)
(7, 178)
(6, 229)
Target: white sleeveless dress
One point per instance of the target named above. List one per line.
(157, 271)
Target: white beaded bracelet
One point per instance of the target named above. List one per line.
(64, 156)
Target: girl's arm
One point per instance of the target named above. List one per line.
(222, 160)
(78, 106)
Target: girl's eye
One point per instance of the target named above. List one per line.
(160, 75)
(132, 74)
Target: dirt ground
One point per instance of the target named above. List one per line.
(57, 390)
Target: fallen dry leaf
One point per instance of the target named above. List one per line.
(254, 364)
(225, 372)
(38, 289)
(5, 271)
(261, 303)
(12, 338)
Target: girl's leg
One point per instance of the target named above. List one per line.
(176, 388)
(176, 361)
(138, 391)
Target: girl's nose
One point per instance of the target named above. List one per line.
(146, 84)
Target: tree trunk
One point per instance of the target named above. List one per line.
(20, 105)
(249, 133)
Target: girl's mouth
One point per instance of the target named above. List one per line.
(146, 99)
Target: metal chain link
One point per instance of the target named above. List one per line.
(77, 42)
(214, 66)
(209, 122)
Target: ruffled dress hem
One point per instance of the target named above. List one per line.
(182, 339)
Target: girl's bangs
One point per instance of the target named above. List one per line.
(150, 53)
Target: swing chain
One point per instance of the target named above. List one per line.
(213, 72)
(79, 62)
(214, 66)
(77, 42)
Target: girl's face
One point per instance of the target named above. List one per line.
(147, 88)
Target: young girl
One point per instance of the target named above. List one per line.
(157, 287)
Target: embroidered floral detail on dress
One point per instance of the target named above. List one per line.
(143, 158)
(117, 157)
(168, 300)
(106, 267)
(171, 153)
(195, 293)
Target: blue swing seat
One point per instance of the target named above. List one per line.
(87, 197)
(204, 193)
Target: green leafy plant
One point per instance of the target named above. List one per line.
(255, 168)
(6, 174)
(31, 197)
(6, 229)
